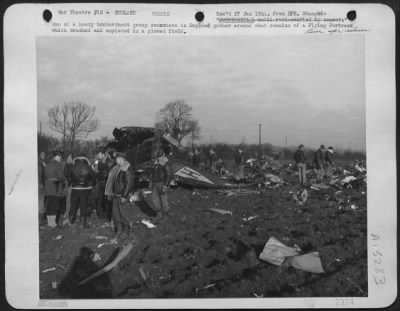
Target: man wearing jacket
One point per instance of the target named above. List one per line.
(102, 169)
(54, 188)
(82, 180)
(160, 179)
(328, 162)
(122, 188)
(319, 162)
(300, 159)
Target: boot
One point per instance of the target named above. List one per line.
(51, 221)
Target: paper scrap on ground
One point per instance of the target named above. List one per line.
(310, 262)
(277, 253)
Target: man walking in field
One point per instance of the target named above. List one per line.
(300, 159)
(319, 162)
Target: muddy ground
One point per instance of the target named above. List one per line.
(196, 247)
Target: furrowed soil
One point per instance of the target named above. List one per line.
(199, 253)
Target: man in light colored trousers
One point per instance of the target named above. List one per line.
(300, 159)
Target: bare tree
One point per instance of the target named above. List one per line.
(73, 120)
(176, 119)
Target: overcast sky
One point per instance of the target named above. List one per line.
(310, 89)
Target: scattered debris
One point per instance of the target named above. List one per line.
(58, 237)
(143, 274)
(355, 284)
(148, 224)
(250, 218)
(258, 296)
(101, 237)
(49, 269)
(96, 257)
(275, 252)
(111, 242)
(273, 179)
(279, 254)
(347, 180)
(303, 197)
(205, 287)
(319, 187)
(121, 255)
(221, 211)
(61, 266)
(310, 262)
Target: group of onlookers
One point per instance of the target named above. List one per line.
(207, 161)
(66, 185)
(322, 163)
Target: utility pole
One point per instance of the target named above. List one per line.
(259, 141)
(40, 129)
(285, 141)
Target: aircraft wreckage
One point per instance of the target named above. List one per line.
(142, 143)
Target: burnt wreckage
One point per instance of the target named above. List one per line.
(141, 145)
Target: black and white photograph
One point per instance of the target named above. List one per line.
(202, 167)
(227, 156)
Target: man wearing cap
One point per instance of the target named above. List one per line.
(122, 188)
(82, 179)
(54, 188)
(328, 156)
(300, 159)
(319, 162)
(160, 179)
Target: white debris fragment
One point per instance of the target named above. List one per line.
(148, 224)
(96, 257)
(49, 270)
(101, 237)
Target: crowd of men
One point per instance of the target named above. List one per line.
(322, 163)
(207, 161)
(66, 185)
